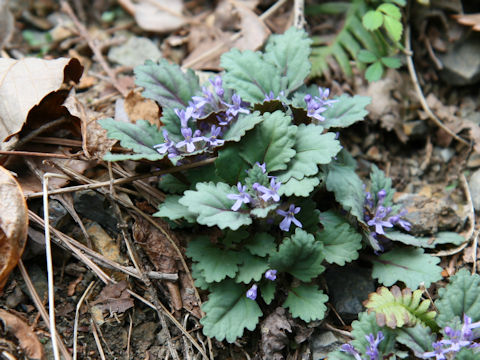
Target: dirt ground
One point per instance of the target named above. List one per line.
(406, 134)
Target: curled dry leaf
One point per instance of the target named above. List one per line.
(27, 339)
(13, 224)
(6, 23)
(469, 20)
(156, 15)
(33, 89)
(228, 16)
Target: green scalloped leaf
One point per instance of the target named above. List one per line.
(139, 137)
(365, 325)
(271, 142)
(267, 291)
(306, 302)
(289, 52)
(372, 20)
(301, 188)
(461, 296)
(341, 241)
(229, 166)
(394, 27)
(342, 180)
(418, 338)
(412, 266)
(397, 308)
(312, 148)
(443, 237)
(262, 213)
(261, 244)
(346, 111)
(166, 83)
(374, 71)
(200, 281)
(229, 312)
(250, 75)
(299, 255)
(212, 206)
(240, 126)
(214, 264)
(170, 184)
(252, 268)
(173, 210)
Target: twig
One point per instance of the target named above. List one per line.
(97, 339)
(299, 14)
(65, 7)
(38, 154)
(418, 89)
(97, 185)
(77, 314)
(471, 219)
(129, 336)
(41, 309)
(474, 255)
(48, 251)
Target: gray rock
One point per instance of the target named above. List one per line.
(348, 287)
(462, 61)
(323, 343)
(134, 52)
(474, 185)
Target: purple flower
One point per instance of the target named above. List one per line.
(379, 222)
(237, 106)
(269, 97)
(213, 140)
(217, 85)
(372, 348)
(289, 217)
(252, 292)
(166, 146)
(269, 193)
(242, 198)
(190, 140)
(438, 352)
(184, 115)
(379, 216)
(454, 340)
(316, 106)
(271, 275)
(348, 348)
(262, 166)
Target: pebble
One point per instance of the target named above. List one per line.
(474, 185)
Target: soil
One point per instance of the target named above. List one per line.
(398, 136)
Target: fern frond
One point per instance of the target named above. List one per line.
(344, 47)
(397, 308)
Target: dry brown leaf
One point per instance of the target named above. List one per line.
(13, 224)
(27, 339)
(472, 20)
(156, 15)
(33, 88)
(139, 108)
(227, 18)
(114, 298)
(6, 23)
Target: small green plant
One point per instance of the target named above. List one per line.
(399, 324)
(370, 36)
(274, 156)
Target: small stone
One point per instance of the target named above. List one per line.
(461, 62)
(474, 186)
(134, 52)
(323, 343)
